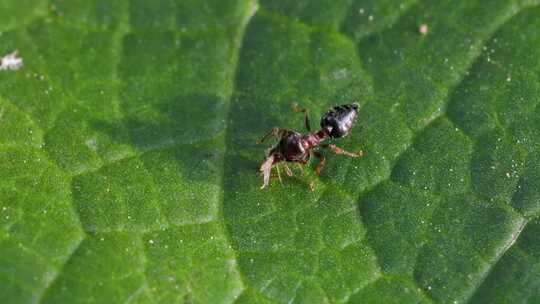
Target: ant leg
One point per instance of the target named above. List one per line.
(322, 162)
(338, 150)
(274, 132)
(287, 169)
(297, 108)
(279, 175)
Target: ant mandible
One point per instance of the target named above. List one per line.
(296, 147)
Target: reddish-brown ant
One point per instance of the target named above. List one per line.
(296, 147)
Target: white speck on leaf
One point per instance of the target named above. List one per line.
(339, 74)
(423, 29)
(11, 62)
(91, 143)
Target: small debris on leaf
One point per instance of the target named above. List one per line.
(423, 29)
(11, 62)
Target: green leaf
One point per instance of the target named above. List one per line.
(129, 160)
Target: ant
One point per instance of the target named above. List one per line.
(298, 148)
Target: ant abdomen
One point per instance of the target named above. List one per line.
(339, 120)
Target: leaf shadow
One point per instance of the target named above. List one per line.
(181, 119)
(182, 129)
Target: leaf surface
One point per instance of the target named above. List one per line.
(129, 162)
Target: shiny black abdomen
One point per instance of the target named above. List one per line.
(339, 120)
